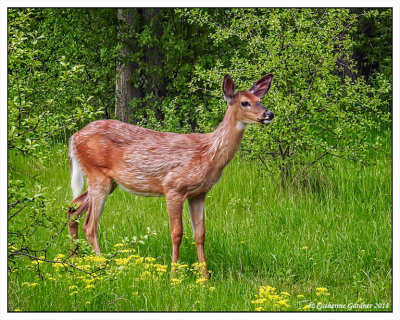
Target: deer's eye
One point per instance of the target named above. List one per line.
(245, 104)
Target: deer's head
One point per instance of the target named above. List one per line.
(246, 105)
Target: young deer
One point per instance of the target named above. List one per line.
(151, 163)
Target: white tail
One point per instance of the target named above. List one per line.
(76, 171)
(151, 163)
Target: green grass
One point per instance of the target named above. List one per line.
(338, 237)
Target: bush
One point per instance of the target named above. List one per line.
(322, 108)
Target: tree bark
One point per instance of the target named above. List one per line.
(125, 91)
(155, 56)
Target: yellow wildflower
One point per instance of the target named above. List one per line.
(89, 286)
(322, 291)
(57, 266)
(149, 259)
(160, 271)
(266, 290)
(27, 284)
(268, 294)
(145, 274)
(38, 261)
(175, 281)
(76, 260)
(85, 267)
(147, 265)
(304, 248)
(283, 303)
(211, 288)
(201, 280)
(259, 301)
(73, 293)
(95, 259)
(118, 245)
(300, 296)
(17, 310)
(198, 265)
(59, 257)
(139, 260)
(122, 261)
(160, 268)
(73, 287)
(306, 307)
(259, 309)
(274, 297)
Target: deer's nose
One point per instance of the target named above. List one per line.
(268, 115)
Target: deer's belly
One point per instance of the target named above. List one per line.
(145, 189)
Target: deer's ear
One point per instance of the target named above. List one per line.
(228, 87)
(261, 87)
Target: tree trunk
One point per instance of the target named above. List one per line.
(125, 91)
(155, 57)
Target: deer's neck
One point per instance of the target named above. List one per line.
(225, 140)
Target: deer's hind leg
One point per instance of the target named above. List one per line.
(80, 206)
(98, 190)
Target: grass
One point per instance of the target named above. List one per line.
(268, 249)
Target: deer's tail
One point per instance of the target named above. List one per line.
(76, 170)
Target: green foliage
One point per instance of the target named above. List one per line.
(47, 84)
(373, 49)
(163, 51)
(322, 106)
(49, 95)
(373, 41)
(85, 37)
(319, 112)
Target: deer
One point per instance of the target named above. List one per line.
(180, 167)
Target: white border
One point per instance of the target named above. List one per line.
(204, 3)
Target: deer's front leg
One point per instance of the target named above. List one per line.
(174, 206)
(196, 207)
